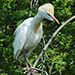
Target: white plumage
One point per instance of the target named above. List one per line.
(28, 34)
(25, 38)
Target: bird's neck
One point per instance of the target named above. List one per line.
(38, 18)
(36, 23)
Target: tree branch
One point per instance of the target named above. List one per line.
(32, 5)
(27, 73)
(45, 48)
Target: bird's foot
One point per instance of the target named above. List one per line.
(33, 71)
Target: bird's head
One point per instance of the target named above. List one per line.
(47, 11)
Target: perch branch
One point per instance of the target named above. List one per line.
(27, 73)
(44, 49)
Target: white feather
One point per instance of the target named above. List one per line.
(25, 38)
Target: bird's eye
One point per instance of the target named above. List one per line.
(48, 14)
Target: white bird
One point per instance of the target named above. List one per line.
(28, 34)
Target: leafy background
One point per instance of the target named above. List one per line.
(61, 52)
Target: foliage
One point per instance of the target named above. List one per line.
(61, 52)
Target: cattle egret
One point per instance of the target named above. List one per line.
(28, 34)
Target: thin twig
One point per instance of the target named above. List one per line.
(32, 5)
(43, 40)
(60, 71)
(51, 68)
(43, 61)
(43, 44)
(20, 65)
(44, 49)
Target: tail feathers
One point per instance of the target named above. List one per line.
(17, 53)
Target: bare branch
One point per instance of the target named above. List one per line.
(43, 61)
(27, 73)
(44, 49)
(60, 71)
(32, 4)
(51, 68)
(43, 40)
(20, 65)
(43, 44)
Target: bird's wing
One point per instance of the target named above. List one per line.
(21, 37)
(18, 28)
(21, 26)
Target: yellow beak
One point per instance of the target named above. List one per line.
(55, 19)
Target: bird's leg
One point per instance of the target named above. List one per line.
(29, 62)
(34, 71)
(26, 60)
